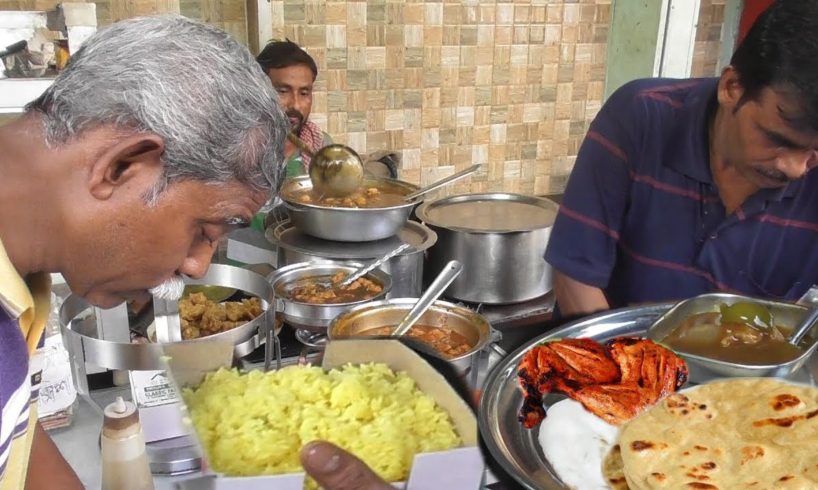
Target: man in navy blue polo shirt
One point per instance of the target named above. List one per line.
(683, 187)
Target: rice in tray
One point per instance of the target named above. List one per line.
(256, 423)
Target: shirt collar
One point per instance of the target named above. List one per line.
(689, 151)
(26, 300)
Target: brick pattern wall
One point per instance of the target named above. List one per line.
(449, 84)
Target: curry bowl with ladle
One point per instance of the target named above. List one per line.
(694, 328)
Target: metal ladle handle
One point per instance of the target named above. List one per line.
(440, 183)
(366, 270)
(804, 326)
(441, 282)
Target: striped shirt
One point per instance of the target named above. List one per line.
(641, 217)
(15, 386)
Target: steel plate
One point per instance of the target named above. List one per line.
(517, 449)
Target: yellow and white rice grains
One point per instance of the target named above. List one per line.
(256, 423)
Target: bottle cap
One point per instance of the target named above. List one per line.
(120, 414)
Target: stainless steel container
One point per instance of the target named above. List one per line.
(316, 317)
(474, 327)
(347, 224)
(500, 239)
(786, 315)
(406, 269)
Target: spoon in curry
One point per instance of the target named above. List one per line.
(335, 170)
(435, 290)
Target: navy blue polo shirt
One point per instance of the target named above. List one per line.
(642, 220)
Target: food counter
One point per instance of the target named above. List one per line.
(79, 443)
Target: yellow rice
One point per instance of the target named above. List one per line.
(256, 423)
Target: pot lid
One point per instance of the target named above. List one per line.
(286, 236)
(489, 213)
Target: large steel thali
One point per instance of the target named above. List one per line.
(516, 449)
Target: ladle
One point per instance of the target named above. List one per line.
(440, 183)
(804, 326)
(335, 170)
(441, 282)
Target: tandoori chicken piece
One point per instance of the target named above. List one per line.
(564, 365)
(615, 381)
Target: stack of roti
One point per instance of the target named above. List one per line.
(753, 433)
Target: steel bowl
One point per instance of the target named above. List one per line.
(473, 326)
(347, 224)
(787, 315)
(316, 317)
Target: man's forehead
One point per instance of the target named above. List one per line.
(299, 76)
(786, 105)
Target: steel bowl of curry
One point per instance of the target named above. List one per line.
(455, 333)
(377, 210)
(309, 296)
(723, 334)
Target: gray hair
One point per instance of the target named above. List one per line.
(190, 83)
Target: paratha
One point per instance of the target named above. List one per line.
(753, 433)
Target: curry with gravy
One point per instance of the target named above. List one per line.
(314, 290)
(371, 195)
(744, 333)
(444, 340)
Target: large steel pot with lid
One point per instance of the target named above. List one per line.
(500, 238)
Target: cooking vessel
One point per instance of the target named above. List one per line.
(406, 269)
(500, 238)
(347, 224)
(316, 317)
(473, 326)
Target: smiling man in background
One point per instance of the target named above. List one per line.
(293, 72)
(123, 176)
(682, 187)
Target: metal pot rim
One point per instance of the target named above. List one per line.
(481, 344)
(301, 206)
(422, 212)
(379, 275)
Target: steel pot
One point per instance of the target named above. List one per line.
(406, 270)
(473, 326)
(500, 239)
(316, 317)
(347, 224)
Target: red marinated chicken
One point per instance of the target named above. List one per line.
(615, 382)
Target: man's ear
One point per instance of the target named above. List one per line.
(730, 91)
(134, 160)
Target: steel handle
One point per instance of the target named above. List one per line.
(442, 182)
(374, 265)
(441, 282)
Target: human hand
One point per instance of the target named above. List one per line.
(335, 469)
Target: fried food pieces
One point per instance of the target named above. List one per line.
(614, 382)
(201, 317)
(313, 290)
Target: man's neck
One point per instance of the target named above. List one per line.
(733, 188)
(29, 221)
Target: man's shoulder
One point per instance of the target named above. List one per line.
(659, 93)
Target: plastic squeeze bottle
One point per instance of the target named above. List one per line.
(124, 461)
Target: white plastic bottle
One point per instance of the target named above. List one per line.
(124, 461)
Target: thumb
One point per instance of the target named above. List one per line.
(335, 469)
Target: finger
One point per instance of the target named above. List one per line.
(335, 469)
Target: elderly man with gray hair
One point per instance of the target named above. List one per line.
(122, 177)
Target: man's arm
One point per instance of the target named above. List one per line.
(47, 468)
(576, 298)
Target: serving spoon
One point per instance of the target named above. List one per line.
(804, 326)
(435, 290)
(335, 170)
(440, 183)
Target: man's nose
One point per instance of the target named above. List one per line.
(794, 164)
(198, 261)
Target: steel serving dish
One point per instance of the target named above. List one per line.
(406, 269)
(316, 317)
(347, 224)
(471, 325)
(82, 340)
(516, 449)
(500, 238)
(786, 315)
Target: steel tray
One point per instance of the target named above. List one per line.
(517, 449)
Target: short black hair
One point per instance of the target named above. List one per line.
(781, 51)
(283, 54)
